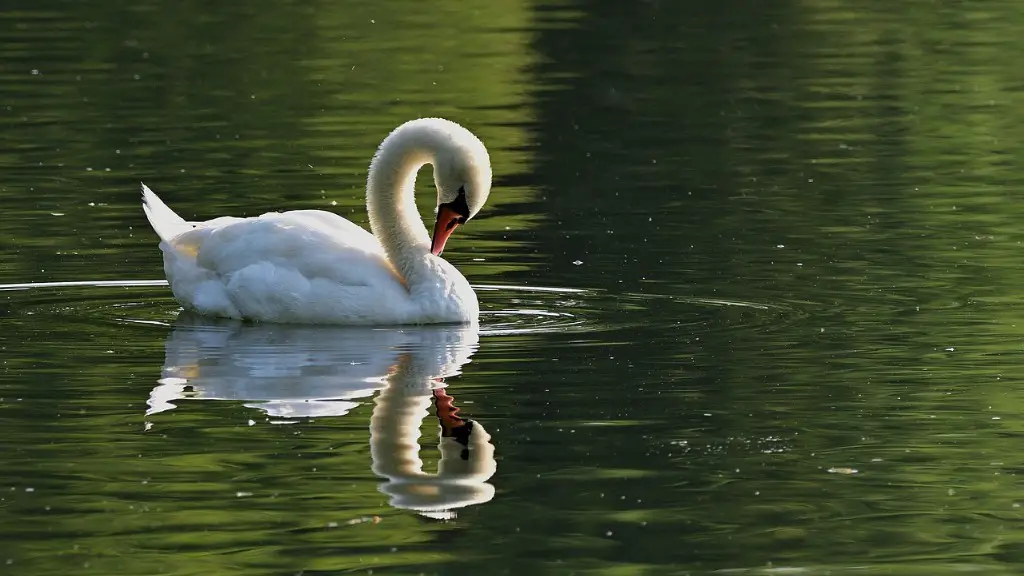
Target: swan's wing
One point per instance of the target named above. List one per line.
(314, 243)
(302, 266)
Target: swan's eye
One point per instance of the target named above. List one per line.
(459, 206)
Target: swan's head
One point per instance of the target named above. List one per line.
(462, 174)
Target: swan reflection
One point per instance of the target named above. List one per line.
(319, 371)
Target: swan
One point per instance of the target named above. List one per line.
(315, 267)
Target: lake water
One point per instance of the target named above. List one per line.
(752, 280)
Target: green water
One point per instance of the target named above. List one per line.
(751, 279)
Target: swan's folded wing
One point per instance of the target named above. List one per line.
(313, 243)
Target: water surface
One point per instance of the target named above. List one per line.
(750, 280)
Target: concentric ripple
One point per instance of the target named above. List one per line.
(505, 309)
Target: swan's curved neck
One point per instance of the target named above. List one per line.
(390, 200)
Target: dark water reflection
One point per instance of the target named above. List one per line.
(784, 336)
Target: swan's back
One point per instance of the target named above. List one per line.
(304, 266)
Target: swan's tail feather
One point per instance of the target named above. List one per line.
(164, 221)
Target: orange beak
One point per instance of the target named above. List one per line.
(447, 222)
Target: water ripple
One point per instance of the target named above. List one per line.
(505, 309)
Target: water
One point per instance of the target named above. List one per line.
(750, 277)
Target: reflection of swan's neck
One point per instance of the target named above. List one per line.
(395, 432)
(466, 462)
(390, 201)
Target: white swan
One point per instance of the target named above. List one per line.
(311, 266)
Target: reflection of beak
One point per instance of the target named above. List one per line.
(447, 222)
(447, 413)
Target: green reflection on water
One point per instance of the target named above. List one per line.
(245, 112)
